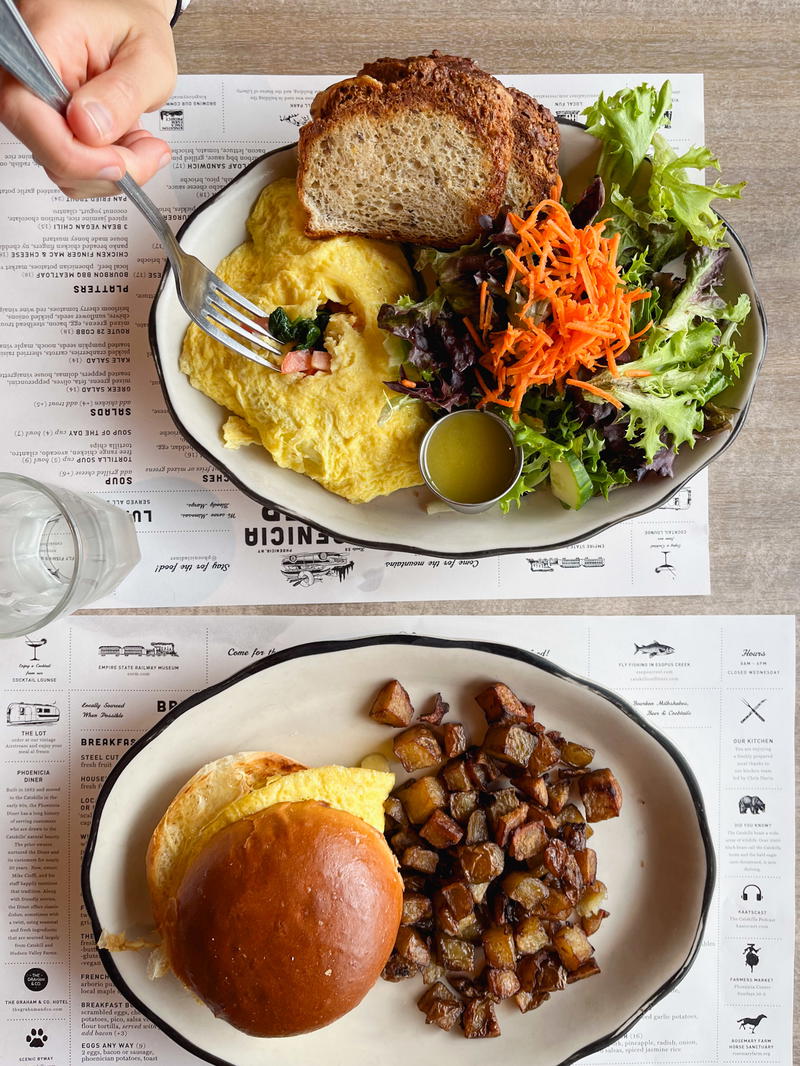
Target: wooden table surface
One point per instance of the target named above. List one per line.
(748, 51)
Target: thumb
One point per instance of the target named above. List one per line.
(140, 78)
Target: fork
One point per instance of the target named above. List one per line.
(214, 306)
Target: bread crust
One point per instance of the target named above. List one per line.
(537, 141)
(286, 918)
(204, 795)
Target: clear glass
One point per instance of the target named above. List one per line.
(59, 551)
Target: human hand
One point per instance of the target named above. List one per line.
(117, 59)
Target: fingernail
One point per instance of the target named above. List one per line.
(165, 160)
(100, 118)
(109, 174)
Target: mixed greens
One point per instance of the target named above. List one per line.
(598, 396)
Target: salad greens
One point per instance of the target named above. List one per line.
(624, 419)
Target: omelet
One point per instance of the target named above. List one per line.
(326, 425)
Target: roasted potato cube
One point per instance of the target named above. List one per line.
(509, 744)
(480, 862)
(462, 805)
(570, 814)
(557, 796)
(456, 896)
(556, 907)
(542, 972)
(572, 946)
(544, 755)
(574, 835)
(499, 704)
(525, 889)
(576, 754)
(441, 1006)
(504, 799)
(416, 907)
(413, 883)
(534, 787)
(455, 776)
(592, 922)
(458, 956)
(530, 936)
(555, 857)
(477, 828)
(418, 748)
(470, 928)
(478, 891)
(421, 798)
(499, 948)
(588, 969)
(393, 808)
(398, 969)
(479, 1019)
(530, 1000)
(587, 864)
(501, 984)
(548, 820)
(437, 712)
(419, 858)
(601, 795)
(505, 824)
(411, 946)
(441, 831)
(392, 705)
(454, 739)
(432, 973)
(467, 987)
(527, 840)
(592, 899)
(481, 768)
(403, 839)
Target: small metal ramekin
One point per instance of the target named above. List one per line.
(483, 505)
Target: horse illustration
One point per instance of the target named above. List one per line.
(753, 1023)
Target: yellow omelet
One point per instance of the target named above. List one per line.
(324, 425)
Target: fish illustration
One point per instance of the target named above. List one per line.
(653, 649)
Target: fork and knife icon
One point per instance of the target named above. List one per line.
(753, 710)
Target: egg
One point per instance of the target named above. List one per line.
(360, 791)
(328, 426)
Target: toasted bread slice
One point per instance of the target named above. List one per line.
(200, 800)
(417, 153)
(534, 163)
(418, 149)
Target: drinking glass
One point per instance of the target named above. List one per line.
(59, 551)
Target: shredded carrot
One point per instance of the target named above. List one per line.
(408, 384)
(574, 272)
(597, 392)
(635, 373)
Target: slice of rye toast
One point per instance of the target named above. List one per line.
(416, 159)
(418, 149)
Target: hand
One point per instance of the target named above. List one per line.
(117, 59)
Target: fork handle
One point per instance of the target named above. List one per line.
(21, 56)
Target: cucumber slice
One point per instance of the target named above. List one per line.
(569, 481)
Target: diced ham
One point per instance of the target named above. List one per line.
(303, 361)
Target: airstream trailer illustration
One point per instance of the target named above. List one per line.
(32, 714)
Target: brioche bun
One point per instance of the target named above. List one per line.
(284, 920)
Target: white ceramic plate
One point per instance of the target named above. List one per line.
(311, 703)
(399, 522)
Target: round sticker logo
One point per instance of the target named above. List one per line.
(35, 979)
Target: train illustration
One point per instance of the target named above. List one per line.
(32, 714)
(156, 649)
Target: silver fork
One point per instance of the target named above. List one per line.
(214, 306)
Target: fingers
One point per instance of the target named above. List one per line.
(140, 155)
(139, 79)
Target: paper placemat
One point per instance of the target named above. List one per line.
(77, 279)
(722, 689)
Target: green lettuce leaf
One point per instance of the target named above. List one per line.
(626, 123)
